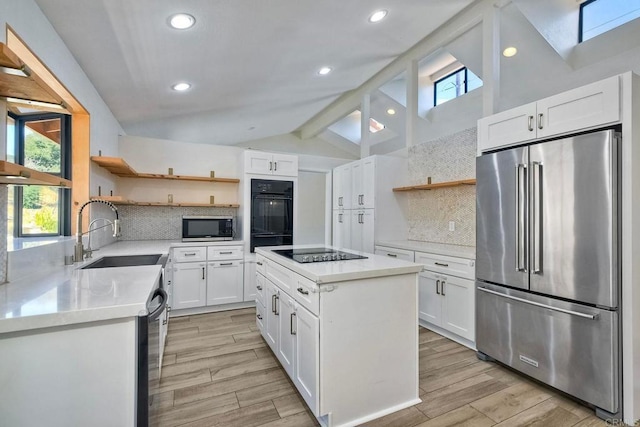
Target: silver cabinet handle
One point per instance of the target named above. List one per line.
(277, 312)
(302, 291)
(226, 263)
(530, 123)
(291, 324)
(226, 253)
(536, 229)
(340, 218)
(538, 304)
(273, 303)
(441, 264)
(275, 166)
(258, 262)
(442, 283)
(259, 317)
(540, 116)
(438, 287)
(270, 166)
(191, 254)
(258, 287)
(392, 255)
(202, 273)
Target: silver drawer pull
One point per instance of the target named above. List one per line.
(226, 263)
(258, 262)
(392, 255)
(259, 317)
(258, 287)
(226, 253)
(441, 264)
(302, 291)
(191, 254)
(537, 304)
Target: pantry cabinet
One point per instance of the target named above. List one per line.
(362, 230)
(587, 107)
(342, 187)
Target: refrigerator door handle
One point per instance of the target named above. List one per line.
(520, 219)
(537, 304)
(536, 229)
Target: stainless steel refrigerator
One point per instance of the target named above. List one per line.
(547, 290)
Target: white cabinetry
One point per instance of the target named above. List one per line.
(207, 276)
(447, 294)
(364, 206)
(189, 285)
(307, 356)
(586, 107)
(395, 253)
(261, 163)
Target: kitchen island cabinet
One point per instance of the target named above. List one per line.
(346, 332)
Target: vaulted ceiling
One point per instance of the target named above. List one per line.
(252, 63)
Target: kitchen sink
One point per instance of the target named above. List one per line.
(127, 261)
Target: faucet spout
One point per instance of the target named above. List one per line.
(79, 250)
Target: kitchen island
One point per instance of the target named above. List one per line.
(345, 331)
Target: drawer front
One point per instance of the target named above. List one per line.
(395, 253)
(306, 294)
(224, 252)
(453, 266)
(261, 265)
(196, 253)
(260, 288)
(281, 276)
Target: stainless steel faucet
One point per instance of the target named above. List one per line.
(79, 250)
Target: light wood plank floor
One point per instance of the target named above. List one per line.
(218, 371)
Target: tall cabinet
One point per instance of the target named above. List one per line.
(364, 205)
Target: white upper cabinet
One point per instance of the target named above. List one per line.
(586, 107)
(260, 163)
(342, 187)
(363, 184)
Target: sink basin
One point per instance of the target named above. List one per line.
(127, 261)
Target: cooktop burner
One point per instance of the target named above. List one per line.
(317, 255)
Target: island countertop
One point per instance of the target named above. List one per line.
(340, 271)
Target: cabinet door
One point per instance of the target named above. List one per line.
(458, 311)
(307, 357)
(189, 285)
(258, 163)
(367, 226)
(249, 281)
(589, 106)
(271, 326)
(508, 127)
(356, 230)
(260, 317)
(342, 229)
(368, 183)
(356, 185)
(429, 298)
(285, 165)
(286, 333)
(224, 282)
(342, 187)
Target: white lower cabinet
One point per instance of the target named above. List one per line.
(429, 301)
(342, 228)
(293, 333)
(362, 230)
(224, 282)
(189, 285)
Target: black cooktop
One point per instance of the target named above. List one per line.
(305, 255)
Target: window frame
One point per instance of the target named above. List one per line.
(64, 194)
(580, 26)
(435, 84)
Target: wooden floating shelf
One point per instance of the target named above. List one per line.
(119, 167)
(12, 173)
(118, 200)
(436, 186)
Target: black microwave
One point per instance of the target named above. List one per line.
(207, 228)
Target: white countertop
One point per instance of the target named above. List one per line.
(340, 271)
(68, 295)
(468, 252)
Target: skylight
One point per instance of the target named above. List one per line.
(600, 16)
(375, 126)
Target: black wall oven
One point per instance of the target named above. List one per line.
(271, 213)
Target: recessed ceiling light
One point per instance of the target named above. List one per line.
(181, 21)
(391, 111)
(324, 71)
(180, 87)
(378, 15)
(510, 51)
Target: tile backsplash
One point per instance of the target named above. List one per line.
(160, 222)
(449, 158)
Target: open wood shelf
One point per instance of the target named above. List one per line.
(118, 200)
(436, 186)
(17, 81)
(12, 173)
(119, 167)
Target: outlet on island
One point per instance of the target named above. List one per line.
(452, 226)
